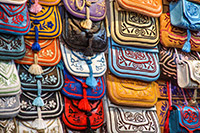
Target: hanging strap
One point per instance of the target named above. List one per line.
(186, 102)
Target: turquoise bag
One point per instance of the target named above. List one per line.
(185, 14)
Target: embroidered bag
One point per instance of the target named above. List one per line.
(48, 2)
(46, 24)
(130, 92)
(87, 10)
(152, 8)
(11, 47)
(75, 87)
(168, 62)
(172, 36)
(84, 66)
(130, 28)
(77, 119)
(89, 41)
(52, 126)
(14, 19)
(8, 125)
(126, 119)
(9, 79)
(10, 106)
(185, 14)
(133, 62)
(53, 105)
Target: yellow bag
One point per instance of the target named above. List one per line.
(171, 36)
(47, 22)
(130, 28)
(131, 92)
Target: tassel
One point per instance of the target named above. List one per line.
(35, 68)
(87, 24)
(187, 46)
(39, 124)
(193, 101)
(36, 45)
(90, 81)
(38, 101)
(36, 7)
(84, 104)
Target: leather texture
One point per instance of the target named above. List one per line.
(172, 36)
(133, 62)
(77, 119)
(188, 75)
(8, 125)
(49, 55)
(131, 28)
(53, 126)
(48, 22)
(9, 80)
(73, 87)
(97, 9)
(76, 63)
(129, 92)
(14, 19)
(185, 14)
(48, 2)
(152, 8)
(184, 119)
(77, 38)
(53, 105)
(168, 62)
(10, 106)
(52, 79)
(126, 119)
(11, 47)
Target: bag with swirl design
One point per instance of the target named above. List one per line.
(185, 14)
(130, 92)
(77, 119)
(130, 28)
(133, 62)
(172, 36)
(127, 119)
(14, 19)
(88, 41)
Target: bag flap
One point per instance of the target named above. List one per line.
(172, 36)
(191, 12)
(130, 92)
(127, 119)
(9, 80)
(130, 28)
(97, 9)
(73, 87)
(50, 24)
(48, 2)
(49, 55)
(12, 10)
(188, 117)
(52, 78)
(75, 62)
(53, 125)
(79, 39)
(151, 8)
(130, 62)
(77, 119)
(8, 125)
(53, 105)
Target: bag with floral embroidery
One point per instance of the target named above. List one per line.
(14, 19)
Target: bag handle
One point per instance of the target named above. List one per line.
(186, 102)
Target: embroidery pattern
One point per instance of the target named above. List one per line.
(7, 102)
(13, 45)
(190, 116)
(9, 126)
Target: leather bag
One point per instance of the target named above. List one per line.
(133, 62)
(14, 19)
(128, 119)
(83, 120)
(152, 8)
(130, 92)
(131, 28)
(46, 24)
(172, 36)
